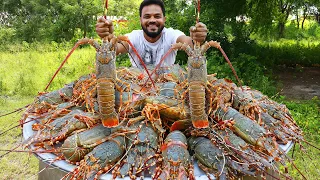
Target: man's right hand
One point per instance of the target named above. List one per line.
(104, 27)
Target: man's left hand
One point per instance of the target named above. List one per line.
(199, 32)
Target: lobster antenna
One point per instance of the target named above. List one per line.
(15, 111)
(129, 54)
(197, 9)
(197, 12)
(105, 9)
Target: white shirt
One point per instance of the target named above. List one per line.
(151, 53)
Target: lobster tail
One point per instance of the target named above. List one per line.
(110, 120)
(197, 99)
(106, 100)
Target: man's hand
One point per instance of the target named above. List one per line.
(199, 32)
(104, 27)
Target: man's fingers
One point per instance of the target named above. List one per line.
(193, 28)
(200, 34)
(104, 34)
(108, 22)
(201, 29)
(101, 24)
(198, 29)
(102, 20)
(200, 24)
(102, 30)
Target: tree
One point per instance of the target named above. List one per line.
(264, 13)
(316, 9)
(53, 19)
(284, 9)
(126, 8)
(296, 10)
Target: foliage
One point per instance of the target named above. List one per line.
(309, 110)
(248, 69)
(59, 20)
(126, 8)
(288, 52)
(6, 35)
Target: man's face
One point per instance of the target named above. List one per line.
(152, 20)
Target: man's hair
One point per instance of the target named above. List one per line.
(149, 2)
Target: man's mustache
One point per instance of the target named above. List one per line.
(153, 23)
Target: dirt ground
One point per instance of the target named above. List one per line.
(299, 83)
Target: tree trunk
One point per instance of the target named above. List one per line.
(298, 22)
(305, 14)
(285, 9)
(85, 27)
(281, 29)
(302, 24)
(317, 16)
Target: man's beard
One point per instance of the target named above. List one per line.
(152, 34)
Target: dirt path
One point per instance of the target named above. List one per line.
(302, 83)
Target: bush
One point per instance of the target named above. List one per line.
(249, 70)
(288, 52)
(6, 36)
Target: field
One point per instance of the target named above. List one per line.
(24, 73)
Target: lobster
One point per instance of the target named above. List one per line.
(142, 149)
(247, 146)
(62, 127)
(75, 147)
(258, 111)
(176, 160)
(209, 156)
(100, 159)
(197, 78)
(106, 76)
(59, 96)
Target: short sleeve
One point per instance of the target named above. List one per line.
(133, 38)
(173, 34)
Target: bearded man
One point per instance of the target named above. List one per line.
(154, 40)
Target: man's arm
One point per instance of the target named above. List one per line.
(104, 28)
(185, 39)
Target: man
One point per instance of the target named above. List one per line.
(154, 40)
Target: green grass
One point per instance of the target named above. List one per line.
(26, 73)
(307, 116)
(15, 165)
